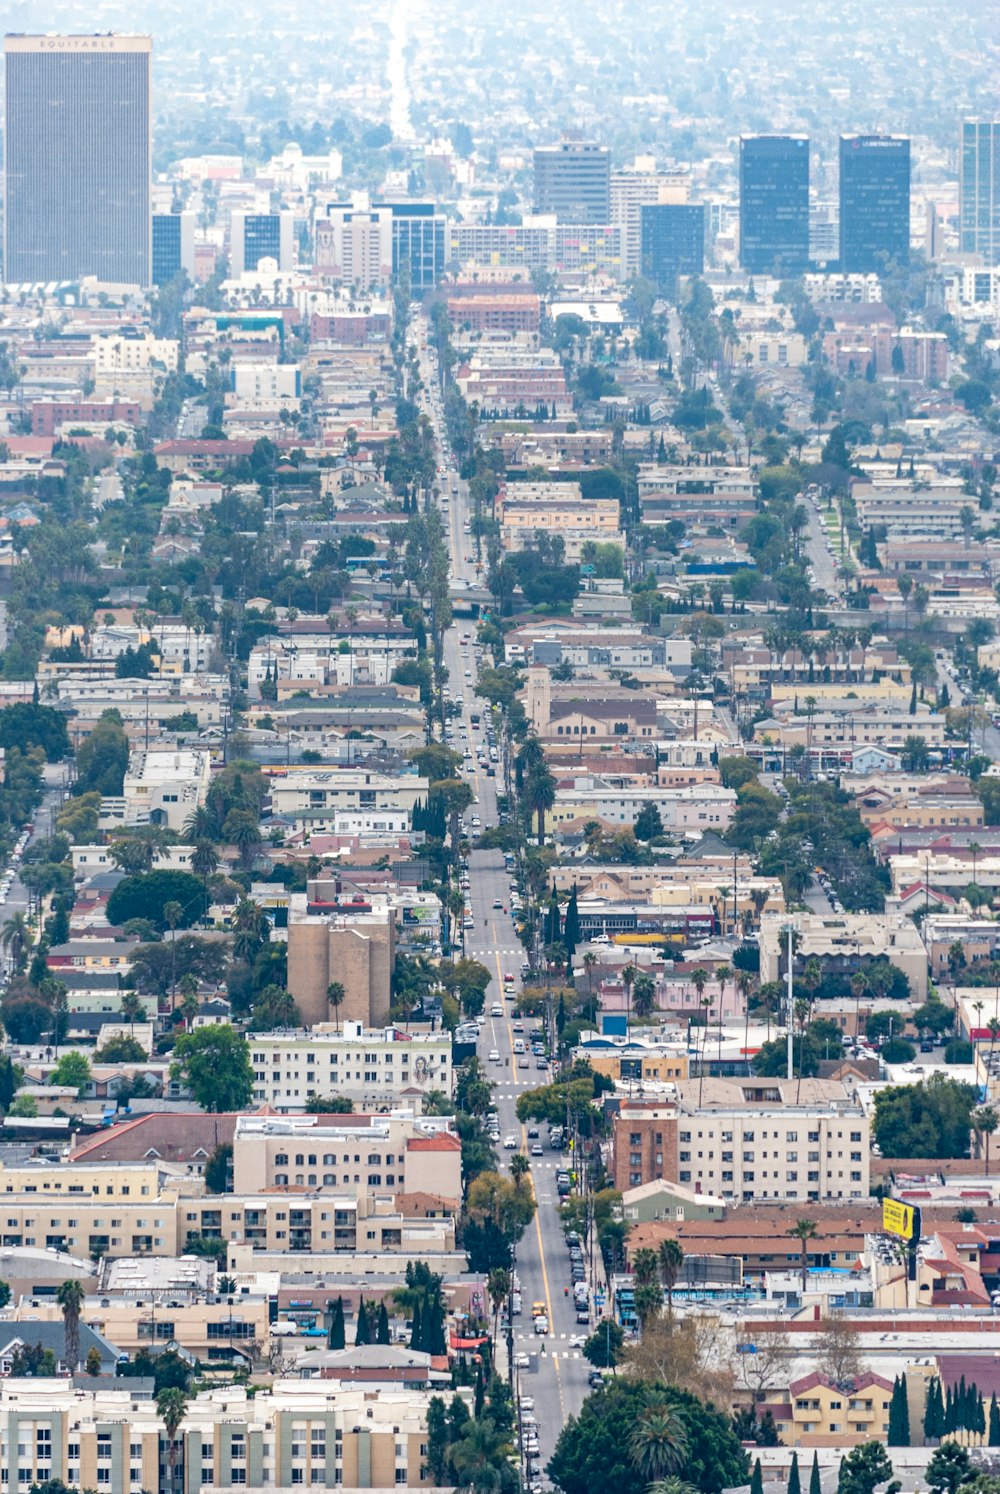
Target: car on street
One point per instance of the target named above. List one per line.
(510, 1142)
(521, 1361)
(536, 1150)
(523, 1063)
(494, 1055)
(577, 1340)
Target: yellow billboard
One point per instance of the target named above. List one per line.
(900, 1219)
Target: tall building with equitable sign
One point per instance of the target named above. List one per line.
(78, 156)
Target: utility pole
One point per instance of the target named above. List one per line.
(790, 1002)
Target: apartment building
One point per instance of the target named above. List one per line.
(308, 1432)
(363, 655)
(395, 1152)
(164, 787)
(587, 797)
(310, 795)
(356, 948)
(747, 1140)
(841, 943)
(821, 1412)
(373, 1067)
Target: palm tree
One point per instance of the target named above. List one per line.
(15, 936)
(171, 1408)
(722, 974)
(804, 1230)
(477, 1458)
(671, 1261)
(589, 961)
(131, 1009)
(628, 980)
(204, 863)
(335, 995)
(984, 1122)
(658, 1442)
(70, 1297)
(498, 1288)
(671, 1485)
(253, 928)
(644, 1267)
(172, 915)
(519, 1169)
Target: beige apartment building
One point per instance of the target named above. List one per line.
(375, 1067)
(747, 1140)
(841, 942)
(299, 1432)
(357, 1154)
(357, 950)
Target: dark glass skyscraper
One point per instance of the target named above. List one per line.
(673, 242)
(774, 204)
(874, 202)
(980, 199)
(78, 162)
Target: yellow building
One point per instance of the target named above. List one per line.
(821, 1413)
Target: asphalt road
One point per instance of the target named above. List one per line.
(43, 824)
(556, 1374)
(822, 562)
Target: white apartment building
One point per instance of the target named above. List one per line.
(696, 807)
(313, 796)
(843, 941)
(373, 1067)
(164, 787)
(132, 352)
(337, 659)
(264, 386)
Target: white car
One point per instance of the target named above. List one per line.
(577, 1340)
(521, 1361)
(510, 1142)
(494, 1055)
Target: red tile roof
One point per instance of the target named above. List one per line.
(444, 1142)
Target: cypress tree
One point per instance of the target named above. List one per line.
(815, 1487)
(994, 1426)
(364, 1329)
(571, 925)
(949, 1411)
(930, 1408)
(337, 1339)
(894, 1438)
(756, 1479)
(416, 1332)
(382, 1333)
(980, 1426)
(794, 1482)
(480, 1392)
(434, 1328)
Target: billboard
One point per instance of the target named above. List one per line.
(900, 1219)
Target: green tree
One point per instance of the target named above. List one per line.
(658, 1440)
(899, 1415)
(363, 1328)
(948, 1467)
(71, 1072)
(593, 1450)
(337, 1338)
(218, 1169)
(984, 1121)
(756, 1478)
(335, 997)
(214, 1064)
(671, 1260)
(648, 822)
(102, 758)
(70, 1296)
(794, 1485)
(604, 1347)
(863, 1468)
(121, 1050)
(147, 896)
(171, 1408)
(804, 1230)
(25, 726)
(930, 1119)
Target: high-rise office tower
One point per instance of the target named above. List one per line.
(774, 204)
(874, 202)
(257, 236)
(573, 180)
(173, 246)
(78, 159)
(673, 242)
(418, 233)
(980, 195)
